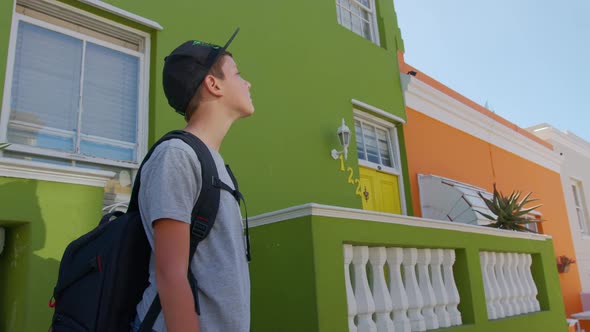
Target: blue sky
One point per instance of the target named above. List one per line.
(530, 60)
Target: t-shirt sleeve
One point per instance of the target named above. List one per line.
(170, 183)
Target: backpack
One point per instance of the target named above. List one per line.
(103, 274)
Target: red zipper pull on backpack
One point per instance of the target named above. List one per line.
(52, 302)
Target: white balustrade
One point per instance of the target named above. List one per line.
(451, 287)
(416, 293)
(438, 286)
(508, 283)
(365, 304)
(428, 298)
(397, 291)
(349, 293)
(383, 306)
(532, 296)
(415, 302)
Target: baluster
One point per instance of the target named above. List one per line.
(438, 285)
(350, 299)
(484, 262)
(412, 290)
(428, 297)
(497, 292)
(529, 304)
(397, 291)
(504, 290)
(383, 306)
(531, 281)
(519, 284)
(451, 287)
(511, 284)
(362, 292)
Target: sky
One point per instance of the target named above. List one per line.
(528, 59)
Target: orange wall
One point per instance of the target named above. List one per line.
(438, 149)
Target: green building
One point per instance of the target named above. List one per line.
(82, 101)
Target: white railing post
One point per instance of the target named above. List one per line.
(504, 290)
(451, 287)
(438, 285)
(511, 284)
(383, 306)
(350, 300)
(497, 292)
(364, 298)
(484, 262)
(519, 283)
(412, 290)
(529, 304)
(428, 297)
(531, 281)
(397, 291)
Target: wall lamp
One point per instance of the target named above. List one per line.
(344, 138)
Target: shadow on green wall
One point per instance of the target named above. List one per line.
(24, 276)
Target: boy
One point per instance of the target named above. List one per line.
(201, 82)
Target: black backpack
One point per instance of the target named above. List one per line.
(103, 274)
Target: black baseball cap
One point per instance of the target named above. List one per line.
(185, 69)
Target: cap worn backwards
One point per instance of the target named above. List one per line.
(186, 67)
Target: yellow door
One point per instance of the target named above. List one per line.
(380, 191)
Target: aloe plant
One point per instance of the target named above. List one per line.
(510, 213)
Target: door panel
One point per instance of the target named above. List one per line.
(382, 189)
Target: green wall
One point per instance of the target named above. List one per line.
(304, 69)
(41, 218)
(282, 258)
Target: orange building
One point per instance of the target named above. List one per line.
(459, 143)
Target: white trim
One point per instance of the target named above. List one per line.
(378, 167)
(427, 100)
(313, 209)
(565, 138)
(378, 111)
(25, 169)
(123, 13)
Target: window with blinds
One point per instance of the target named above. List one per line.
(72, 96)
(76, 93)
(359, 17)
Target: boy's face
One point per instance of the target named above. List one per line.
(237, 89)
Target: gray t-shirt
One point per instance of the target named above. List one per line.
(170, 185)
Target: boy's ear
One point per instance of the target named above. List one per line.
(211, 84)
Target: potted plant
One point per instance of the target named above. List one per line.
(4, 145)
(563, 263)
(510, 213)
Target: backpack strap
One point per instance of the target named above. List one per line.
(203, 214)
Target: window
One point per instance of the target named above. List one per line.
(75, 92)
(359, 17)
(580, 204)
(376, 144)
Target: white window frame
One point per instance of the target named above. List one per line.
(373, 17)
(143, 103)
(578, 188)
(393, 146)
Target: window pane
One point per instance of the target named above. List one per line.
(371, 143)
(110, 103)
(45, 88)
(384, 148)
(576, 199)
(359, 140)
